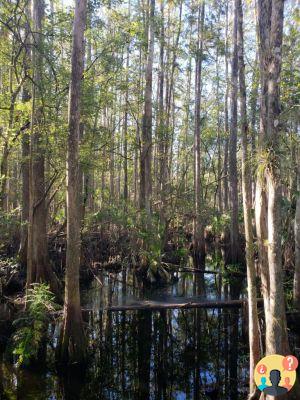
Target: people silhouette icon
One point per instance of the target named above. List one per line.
(263, 384)
(275, 390)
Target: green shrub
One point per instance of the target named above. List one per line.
(31, 327)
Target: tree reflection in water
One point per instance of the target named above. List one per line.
(167, 354)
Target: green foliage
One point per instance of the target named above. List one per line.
(9, 227)
(181, 252)
(231, 273)
(146, 233)
(219, 223)
(216, 260)
(31, 327)
(151, 232)
(115, 215)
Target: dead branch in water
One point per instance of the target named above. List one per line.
(184, 304)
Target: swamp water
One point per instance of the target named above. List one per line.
(140, 355)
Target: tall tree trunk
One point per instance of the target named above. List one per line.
(233, 174)
(170, 87)
(125, 165)
(270, 26)
(199, 246)
(3, 176)
(226, 119)
(253, 101)
(260, 192)
(137, 137)
(25, 165)
(187, 123)
(38, 266)
(72, 344)
(111, 126)
(85, 171)
(161, 123)
(247, 201)
(6, 146)
(219, 161)
(234, 228)
(297, 246)
(146, 153)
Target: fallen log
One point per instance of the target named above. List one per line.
(184, 304)
(177, 268)
(212, 272)
(199, 271)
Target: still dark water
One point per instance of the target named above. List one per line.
(170, 354)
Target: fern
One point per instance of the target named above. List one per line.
(31, 327)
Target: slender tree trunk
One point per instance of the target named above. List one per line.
(125, 165)
(277, 341)
(85, 172)
(6, 146)
(38, 266)
(297, 246)
(146, 154)
(25, 165)
(270, 26)
(169, 105)
(161, 123)
(73, 342)
(25, 195)
(199, 247)
(219, 171)
(233, 185)
(247, 200)
(233, 173)
(226, 119)
(3, 177)
(111, 122)
(260, 192)
(138, 140)
(253, 121)
(187, 123)
(163, 131)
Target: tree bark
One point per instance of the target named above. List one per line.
(253, 102)
(226, 119)
(38, 266)
(72, 342)
(25, 165)
(125, 165)
(270, 27)
(161, 124)
(219, 165)
(3, 176)
(247, 202)
(233, 173)
(146, 153)
(6, 146)
(198, 245)
(296, 292)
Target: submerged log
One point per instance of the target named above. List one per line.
(183, 304)
(177, 268)
(212, 272)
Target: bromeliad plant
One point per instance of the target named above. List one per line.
(31, 327)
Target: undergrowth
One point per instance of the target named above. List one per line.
(31, 326)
